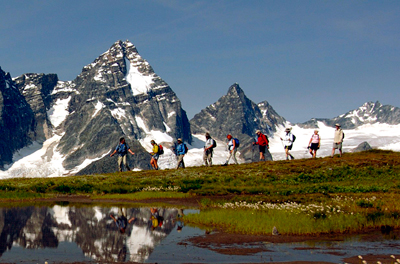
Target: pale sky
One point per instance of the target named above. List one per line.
(306, 58)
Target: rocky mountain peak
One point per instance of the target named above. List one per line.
(235, 90)
(79, 122)
(236, 114)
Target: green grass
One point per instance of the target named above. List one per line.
(338, 214)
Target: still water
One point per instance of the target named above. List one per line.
(66, 234)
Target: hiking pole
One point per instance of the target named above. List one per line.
(252, 151)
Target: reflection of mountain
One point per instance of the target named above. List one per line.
(91, 229)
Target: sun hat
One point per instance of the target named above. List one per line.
(337, 124)
(258, 131)
(179, 139)
(288, 129)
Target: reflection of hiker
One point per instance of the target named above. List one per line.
(154, 155)
(181, 150)
(232, 148)
(208, 150)
(337, 140)
(156, 220)
(179, 222)
(122, 150)
(122, 222)
(262, 142)
(314, 144)
(288, 140)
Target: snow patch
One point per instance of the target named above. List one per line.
(59, 111)
(98, 107)
(140, 84)
(171, 114)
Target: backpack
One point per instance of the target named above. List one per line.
(237, 143)
(266, 139)
(122, 148)
(186, 148)
(214, 143)
(343, 135)
(160, 150)
(294, 138)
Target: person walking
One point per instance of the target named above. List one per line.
(288, 140)
(337, 140)
(262, 142)
(181, 150)
(154, 155)
(232, 148)
(208, 150)
(314, 144)
(122, 149)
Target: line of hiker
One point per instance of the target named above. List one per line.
(180, 149)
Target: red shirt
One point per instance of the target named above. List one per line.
(262, 140)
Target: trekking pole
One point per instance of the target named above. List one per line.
(252, 151)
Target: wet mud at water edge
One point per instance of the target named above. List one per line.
(114, 234)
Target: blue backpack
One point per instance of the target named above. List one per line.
(237, 143)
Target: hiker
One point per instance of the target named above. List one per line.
(232, 148)
(121, 221)
(314, 144)
(262, 142)
(154, 155)
(337, 140)
(122, 149)
(208, 150)
(288, 143)
(181, 150)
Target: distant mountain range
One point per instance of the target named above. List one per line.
(70, 127)
(368, 113)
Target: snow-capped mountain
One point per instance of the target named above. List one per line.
(77, 123)
(368, 113)
(236, 114)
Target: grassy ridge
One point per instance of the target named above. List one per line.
(372, 171)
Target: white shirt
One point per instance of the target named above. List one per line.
(288, 139)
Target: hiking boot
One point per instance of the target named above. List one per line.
(291, 157)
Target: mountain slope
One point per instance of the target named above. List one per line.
(17, 121)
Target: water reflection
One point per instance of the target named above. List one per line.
(103, 234)
(67, 234)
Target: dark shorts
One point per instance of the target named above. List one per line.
(314, 146)
(288, 147)
(262, 148)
